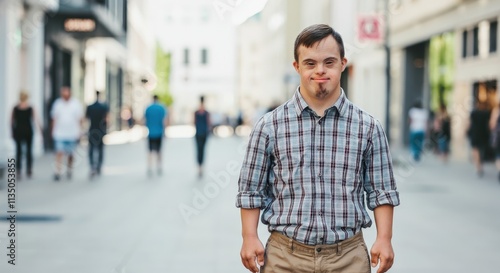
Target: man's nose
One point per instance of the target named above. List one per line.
(320, 68)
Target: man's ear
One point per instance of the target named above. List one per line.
(344, 64)
(296, 66)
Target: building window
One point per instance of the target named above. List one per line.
(475, 41)
(464, 43)
(493, 36)
(186, 56)
(205, 14)
(204, 56)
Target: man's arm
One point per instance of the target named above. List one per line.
(382, 248)
(252, 196)
(494, 118)
(252, 250)
(382, 196)
(37, 122)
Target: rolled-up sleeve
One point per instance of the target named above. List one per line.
(379, 182)
(255, 170)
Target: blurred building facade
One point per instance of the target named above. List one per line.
(265, 52)
(140, 74)
(77, 43)
(203, 59)
(473, 28)
(265, 55)
(85, 48)
(22, 62)
(463, 71)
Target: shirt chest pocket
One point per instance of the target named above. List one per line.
(347, 162)
(291, 157)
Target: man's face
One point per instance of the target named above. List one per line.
(320, 67)
(65, 93)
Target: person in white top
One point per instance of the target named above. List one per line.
(418, 118)
(67, 119)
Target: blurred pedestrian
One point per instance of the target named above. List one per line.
(418, 118)
(127, 116)
(309, 165)
(479, 134)
(495, 137)
(156, 121)
(239, 119)
(442, 126)
(67, 120)
(23, 120)
(202, 125)
(97, 114)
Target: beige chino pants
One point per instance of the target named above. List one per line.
(286, 255)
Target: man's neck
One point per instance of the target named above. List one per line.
(319, 106)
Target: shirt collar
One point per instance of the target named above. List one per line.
(301, 105)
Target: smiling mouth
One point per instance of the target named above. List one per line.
(321, 80)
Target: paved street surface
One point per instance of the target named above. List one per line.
(126, 222)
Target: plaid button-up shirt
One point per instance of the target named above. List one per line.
(310, 174)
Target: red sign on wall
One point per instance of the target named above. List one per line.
(370, 28)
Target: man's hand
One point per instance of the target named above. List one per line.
(382, 251)
(252, 252)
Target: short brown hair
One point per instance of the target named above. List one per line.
(315, 33)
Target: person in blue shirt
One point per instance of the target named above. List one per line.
(156, 122)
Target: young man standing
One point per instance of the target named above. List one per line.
(156, 122)
(309, 165)
(67, 119)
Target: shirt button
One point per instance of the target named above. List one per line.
(318, 249)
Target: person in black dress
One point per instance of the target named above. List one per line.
(22, 122)
(479, 134)
(202, 125)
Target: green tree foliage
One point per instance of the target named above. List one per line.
(441, 69)
(163, 65)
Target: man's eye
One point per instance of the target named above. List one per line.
(310, 63)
